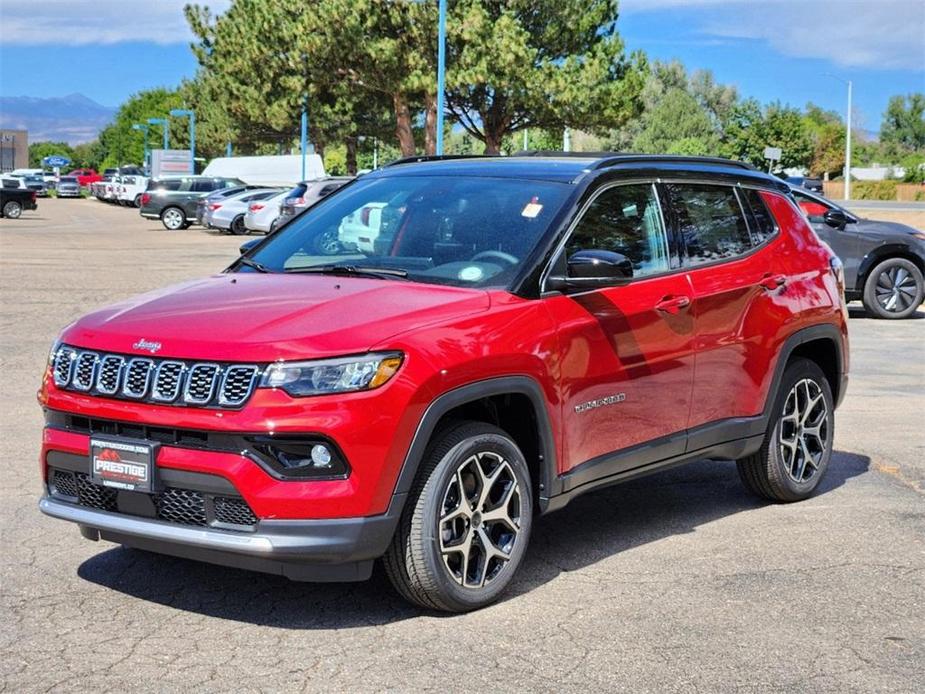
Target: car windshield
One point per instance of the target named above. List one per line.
(462, 231)
(68, 179)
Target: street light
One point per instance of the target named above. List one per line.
(162, 122)
(144, 129)
(441, 73)
(180, 113)
(847, 138)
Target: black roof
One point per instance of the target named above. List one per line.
(569, 167)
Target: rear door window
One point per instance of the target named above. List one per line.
(203, 186)
(710, 222)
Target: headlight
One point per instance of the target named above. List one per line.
(53, 352)
(343, 375)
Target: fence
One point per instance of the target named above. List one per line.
(875, 190)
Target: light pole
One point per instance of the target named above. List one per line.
(304, 133)
(847, 138)
(441, 72)
(180, 113)
(143, 128)
(162, 122)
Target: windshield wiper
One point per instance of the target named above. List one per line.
(382, 272)
(259, 267)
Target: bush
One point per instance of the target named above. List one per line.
(873, 190)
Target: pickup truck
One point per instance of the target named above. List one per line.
(14, 200)
(86, 176)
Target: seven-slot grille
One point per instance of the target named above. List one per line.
(164, 381)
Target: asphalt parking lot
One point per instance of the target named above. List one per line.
(679, 582)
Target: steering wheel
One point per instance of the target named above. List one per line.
(497, 255)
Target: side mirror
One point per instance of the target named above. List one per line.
(590, 269)
(247, 245)
(836, 219)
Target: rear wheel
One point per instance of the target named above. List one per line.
(173, 219)
(894, 289)
(12, 209)
(798, 443)
(237, 226)
(466, 524)
(137, 201)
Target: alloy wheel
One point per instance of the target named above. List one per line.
(480, 519)
(895, 289)
(173, 220)
(804, 430)
(12, 209)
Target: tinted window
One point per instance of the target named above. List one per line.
(711, 222)
(760, 220)
(625, 220)
(203, 186)
(68, 179)
(10, 183)
(169, 184)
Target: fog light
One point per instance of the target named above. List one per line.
(321, 456)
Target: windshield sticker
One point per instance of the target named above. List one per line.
(532, 208)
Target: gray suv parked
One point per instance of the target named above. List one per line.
(884, 261)
(173, 200)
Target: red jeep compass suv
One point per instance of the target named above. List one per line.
(511, 333)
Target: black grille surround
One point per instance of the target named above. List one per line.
(177, 382)
(172, 504)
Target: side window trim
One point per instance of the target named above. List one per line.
(559, 252)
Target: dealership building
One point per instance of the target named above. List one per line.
(14, 149)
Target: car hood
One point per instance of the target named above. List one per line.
(877, 227)
(259, 317)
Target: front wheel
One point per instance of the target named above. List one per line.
(467, 521)
(894, 289)
(797, 446)
(12, 209)
(173, 219)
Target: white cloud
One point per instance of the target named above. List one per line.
(84, 22)
(886, 34)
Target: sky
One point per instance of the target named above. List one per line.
(793, 51)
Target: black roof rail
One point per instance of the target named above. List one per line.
(606, 159)
(417, 159)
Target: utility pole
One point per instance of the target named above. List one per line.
(567, 140)
(441, 73)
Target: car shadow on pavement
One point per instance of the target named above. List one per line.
(860, 313)
(590, 529)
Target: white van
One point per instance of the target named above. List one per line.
(283, 170)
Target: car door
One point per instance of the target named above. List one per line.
(843, 242)
(625, 359)
(741, 302)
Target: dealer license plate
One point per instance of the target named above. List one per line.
(122, 463)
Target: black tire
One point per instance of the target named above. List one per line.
(770, 472)
(237, 226)
(12, 210)
(173, 219)
(414, 561)
(137, 201)
(894, 289)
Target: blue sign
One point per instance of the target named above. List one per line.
(55, 161)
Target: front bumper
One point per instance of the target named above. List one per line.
(341, 549)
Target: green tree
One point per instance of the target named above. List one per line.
(751, 128)
(351, 62)
(40, 150)
(123, 145)
(827, 134)
(678, 124)
(903, 127)
(89, 155)
(542, 64)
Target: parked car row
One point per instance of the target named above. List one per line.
(229, 204)
(122, 189)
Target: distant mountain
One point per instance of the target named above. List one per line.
(72, 119)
